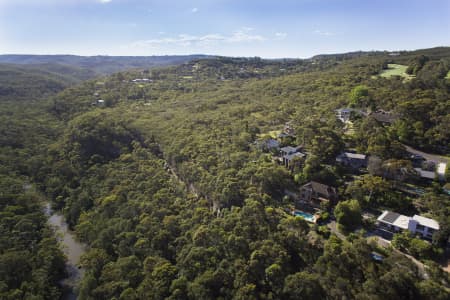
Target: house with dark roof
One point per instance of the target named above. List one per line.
(316, 194)
(392, 222)
(352, 160)
(384, 117)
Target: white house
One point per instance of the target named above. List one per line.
(441, 170)
(343, 114)
(395, 223)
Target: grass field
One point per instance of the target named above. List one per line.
(396, 70)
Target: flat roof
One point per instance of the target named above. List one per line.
(355, 155)
(388, 216)
(425, 174)
(402, 222)
(291, 156)
(441, 168)
(427, 222)
(395, 219)
(289, 149)
(344, 109)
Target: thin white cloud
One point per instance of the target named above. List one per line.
(280, 35)
(323, 33)
(243, 35)
(194, 10)
(49, 2)
(185, 40)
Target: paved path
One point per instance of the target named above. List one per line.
(427, 156)
(332, 225)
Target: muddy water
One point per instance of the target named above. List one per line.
(72, 249)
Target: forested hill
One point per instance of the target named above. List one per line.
(31, 77)
(100, 65)
(33, 82)
(160, 172)
(434, 53)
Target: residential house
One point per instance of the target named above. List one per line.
(427, 175)
(137, 80)
(352, 160)
(384, 117)
(393, 222)
(288, 150)
(268, 145)
(441, 170)
(344, 114)
(99, 102)
(291, 160)
(316, 194)
(430, 170)
(290, 156)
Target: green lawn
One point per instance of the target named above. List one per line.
(396, 70)
(349, 129)
(273, 134)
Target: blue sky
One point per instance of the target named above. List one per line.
(266, 28)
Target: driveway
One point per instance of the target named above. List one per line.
(332, 225)
(427, 156)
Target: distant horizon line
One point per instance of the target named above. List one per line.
(220, 55)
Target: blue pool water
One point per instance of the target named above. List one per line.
(377, 257)
(306, 216)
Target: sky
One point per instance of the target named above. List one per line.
(264, 28)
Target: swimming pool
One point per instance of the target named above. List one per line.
(308, 217)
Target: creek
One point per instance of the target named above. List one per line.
(71, 248)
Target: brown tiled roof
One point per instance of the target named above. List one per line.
(384, 117)
(322, 189)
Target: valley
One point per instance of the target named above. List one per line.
(232, 178)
